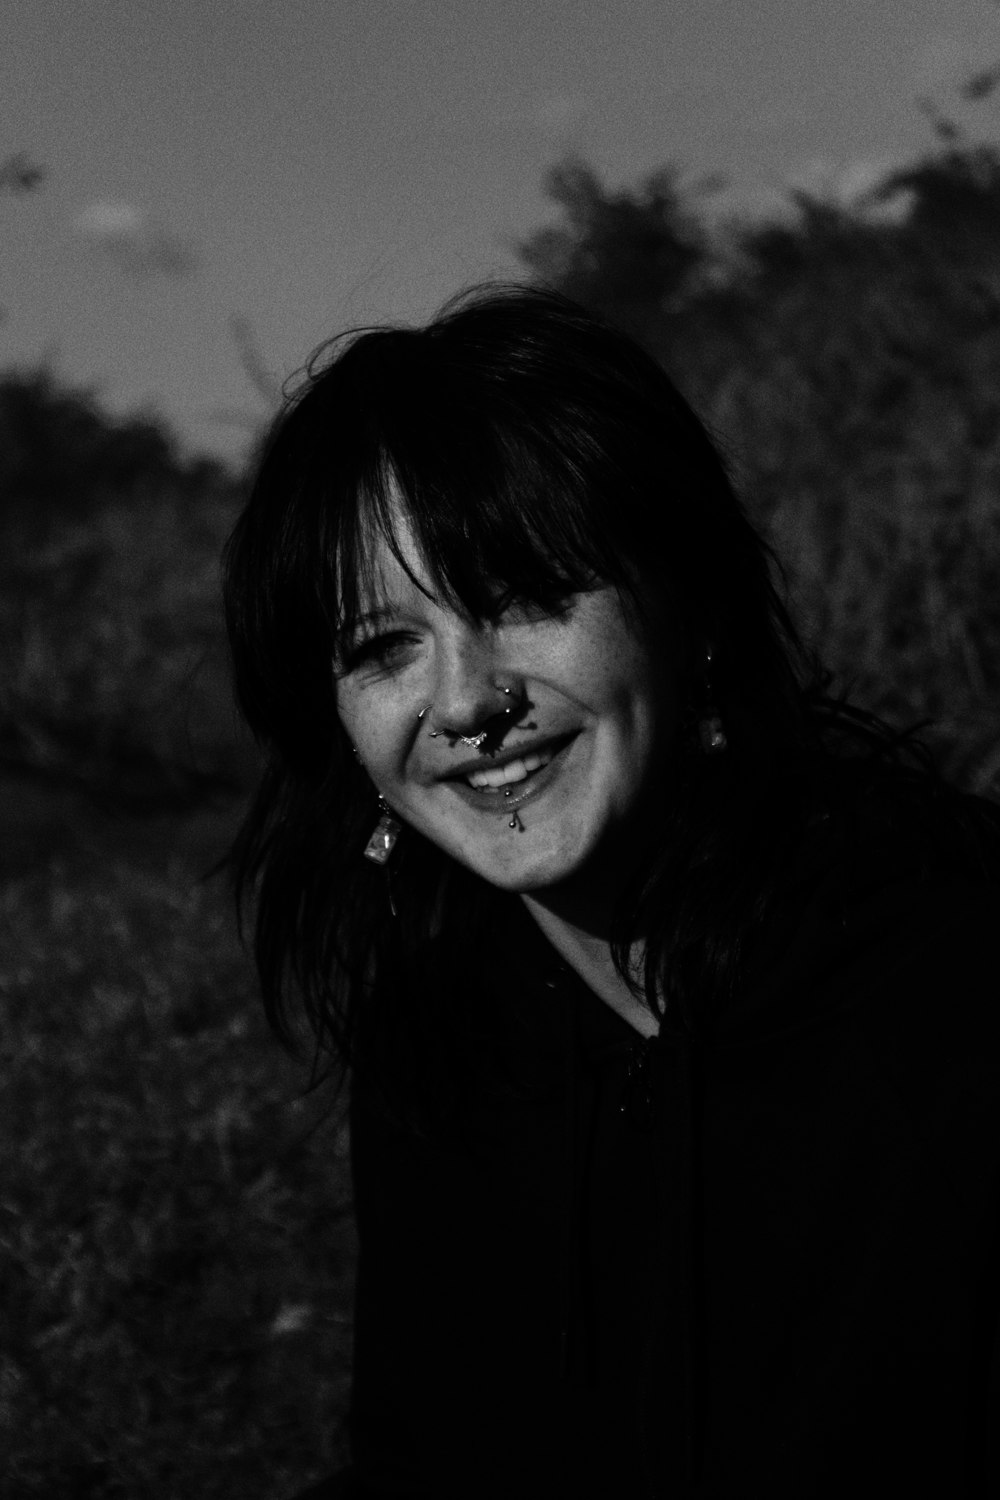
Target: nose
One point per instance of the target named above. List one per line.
(466, 694)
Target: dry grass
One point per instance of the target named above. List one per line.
(175, 1236)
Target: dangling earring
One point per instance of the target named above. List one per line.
(710, 731)
(385, 835)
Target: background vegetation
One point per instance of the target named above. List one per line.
(175, 1235)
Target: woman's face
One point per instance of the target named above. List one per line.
(572, 767)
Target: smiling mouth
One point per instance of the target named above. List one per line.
(494, 779)
(502, 788)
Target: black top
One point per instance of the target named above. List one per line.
(760, 1259)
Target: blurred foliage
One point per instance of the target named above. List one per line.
(176, 1242)
(112, 661)
(846, 355)
(20, 174)
(62, 457)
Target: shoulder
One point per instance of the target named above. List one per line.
(881, 826)
(891, 907)
(920, 879)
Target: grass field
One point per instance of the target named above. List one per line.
(176, 1245)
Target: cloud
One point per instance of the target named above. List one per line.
(551, 115)
(556, 113)
(138, 244)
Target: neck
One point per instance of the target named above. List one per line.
(581, 938)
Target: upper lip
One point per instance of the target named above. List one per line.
(484, 761)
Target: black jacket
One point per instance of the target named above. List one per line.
(762, 1259)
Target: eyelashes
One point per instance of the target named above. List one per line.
(517, 611)
(384, 651)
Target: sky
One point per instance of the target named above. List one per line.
(230, 182)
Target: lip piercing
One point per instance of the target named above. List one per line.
(515, 817)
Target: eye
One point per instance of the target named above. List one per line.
(513, 609)
(384, 651)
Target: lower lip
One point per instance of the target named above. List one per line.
(497, 804)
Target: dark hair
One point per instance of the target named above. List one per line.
(536, 451)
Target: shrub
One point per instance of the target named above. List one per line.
(112, 660)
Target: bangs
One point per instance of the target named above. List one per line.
(497, 514)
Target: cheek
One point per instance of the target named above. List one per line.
(628, 685)
(379, 733)
(361, 726)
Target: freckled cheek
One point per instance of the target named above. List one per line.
(362, 729)
(381, 737)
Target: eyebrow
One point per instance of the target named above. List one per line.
(370, 617)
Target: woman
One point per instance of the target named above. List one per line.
(667, 986)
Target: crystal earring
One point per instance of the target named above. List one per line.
(711, 733)
(385, 835)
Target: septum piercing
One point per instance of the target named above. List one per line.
(473, 741)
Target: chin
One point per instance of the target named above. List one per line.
(522, 869)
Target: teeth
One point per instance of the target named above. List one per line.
(514, 770)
